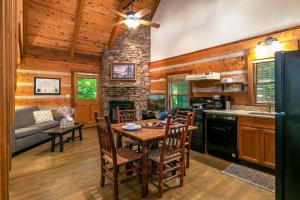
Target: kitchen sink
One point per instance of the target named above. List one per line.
(263, 113)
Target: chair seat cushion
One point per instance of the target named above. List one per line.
(124, 155)
(47, 125)
(27, 131)
(155, 155)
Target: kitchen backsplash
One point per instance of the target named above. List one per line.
(252, 108)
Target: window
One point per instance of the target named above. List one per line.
(179, 92)
(87, 89)
(264, 81)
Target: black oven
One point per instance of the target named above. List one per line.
(221, 136)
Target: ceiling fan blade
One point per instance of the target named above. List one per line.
(119, 23)
(142, 13)
(118, 13)
(147, 23)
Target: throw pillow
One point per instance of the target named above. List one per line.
(43, 116)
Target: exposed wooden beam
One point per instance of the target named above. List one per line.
(20, 43)
(78, 19)
(154, 8)
(25, 25)
(8, 63)
(113, 36)
(124, 4)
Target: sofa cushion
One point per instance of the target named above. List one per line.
(43, 116)
(24, 117)
(27, 131)
(47, 125)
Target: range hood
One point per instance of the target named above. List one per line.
(203, 76)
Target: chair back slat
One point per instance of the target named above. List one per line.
(105, 138)
(180, 115)
(175, 136)
(127, 115)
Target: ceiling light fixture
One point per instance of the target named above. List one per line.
(268, 47)
(132, 21)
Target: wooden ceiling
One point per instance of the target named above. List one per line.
(80, 27)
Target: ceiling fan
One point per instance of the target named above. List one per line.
(133, 19)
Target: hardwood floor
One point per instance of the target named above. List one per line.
(38, 174)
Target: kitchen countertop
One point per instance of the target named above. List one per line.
(245, 113)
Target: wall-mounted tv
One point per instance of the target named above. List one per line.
(156, 102)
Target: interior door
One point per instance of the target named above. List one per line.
(86, 97)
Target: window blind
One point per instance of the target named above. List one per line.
(264, 82)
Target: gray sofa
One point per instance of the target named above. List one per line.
(26, 133)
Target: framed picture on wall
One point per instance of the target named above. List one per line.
(50, 86)
(123, 71)
(156, 102)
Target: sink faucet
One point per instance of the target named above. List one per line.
(268, 107)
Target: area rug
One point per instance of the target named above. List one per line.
(252, 176)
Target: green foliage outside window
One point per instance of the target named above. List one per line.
(87, 89)
(180, 94)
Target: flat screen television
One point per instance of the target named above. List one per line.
(156, 102)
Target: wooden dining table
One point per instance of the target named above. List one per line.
(145, 137)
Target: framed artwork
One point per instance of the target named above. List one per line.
(50, 86)
(156, 102)
(123, 71)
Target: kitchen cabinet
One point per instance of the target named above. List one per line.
(249, 144)
(256, 140)
(268, 148)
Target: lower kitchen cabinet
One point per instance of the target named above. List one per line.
(249, 144)
(268, 148)
(256, 140)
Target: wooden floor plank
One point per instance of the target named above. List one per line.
(38, 174)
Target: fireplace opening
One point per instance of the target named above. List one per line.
(122, 105)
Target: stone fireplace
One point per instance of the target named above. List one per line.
(133, 47)
(122, 105)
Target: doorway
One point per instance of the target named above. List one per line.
(86, 97)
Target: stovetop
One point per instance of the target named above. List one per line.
(207, 103)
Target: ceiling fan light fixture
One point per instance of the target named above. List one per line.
(132, 22)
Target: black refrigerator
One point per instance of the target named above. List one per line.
(287, 87)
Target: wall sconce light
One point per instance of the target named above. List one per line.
(268, 47)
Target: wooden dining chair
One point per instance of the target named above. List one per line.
(125, 116)
(181, 115)
(113, 159)
(168, 159)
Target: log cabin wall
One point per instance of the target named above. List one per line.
(37, 67)
(231, 60)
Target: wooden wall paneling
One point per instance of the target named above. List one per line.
(8, 62)
(61, 55)
(58, 65)
(78, 19)
(32, 67)
(25, 24)
(291, 33)
(159, 69)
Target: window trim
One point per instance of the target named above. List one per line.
(254, 81)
